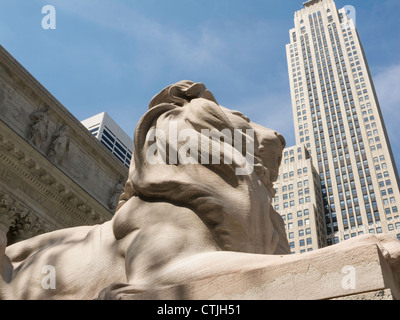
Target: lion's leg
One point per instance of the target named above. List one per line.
(165, 254)
(186, 269)
(74, 263)
(152, 253)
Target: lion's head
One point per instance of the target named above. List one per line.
(175, 161)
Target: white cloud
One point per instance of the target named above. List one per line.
(387, 83)
(200, 49)
(156, 39)
(233, 58)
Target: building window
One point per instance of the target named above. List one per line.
(94, 130)
(299, 213)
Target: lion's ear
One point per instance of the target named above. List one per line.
(205, 114)
(182, 93)
(199, 90)
(195, 90)
(209, 96)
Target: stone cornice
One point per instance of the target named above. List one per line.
(38, 92)
(41, 174)
(84, 160)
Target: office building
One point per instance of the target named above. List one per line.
(338, 117)
(298, 199)
(104, 128)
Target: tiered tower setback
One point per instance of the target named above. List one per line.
(338, 118)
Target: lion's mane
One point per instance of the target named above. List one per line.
(205, 189)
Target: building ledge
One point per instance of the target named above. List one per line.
(310, 3)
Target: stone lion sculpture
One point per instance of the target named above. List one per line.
(175, 222)
(169, 215)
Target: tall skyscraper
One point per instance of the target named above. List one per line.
(338, 117)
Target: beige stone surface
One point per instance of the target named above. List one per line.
(322, 274)
(193, 231)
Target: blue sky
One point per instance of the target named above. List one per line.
(115, 55)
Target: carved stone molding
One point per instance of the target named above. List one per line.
(19, 222)
(7, 212)
(49, 161)
(51, 138)
(26, 226)
(38, 178)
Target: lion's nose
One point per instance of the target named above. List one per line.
(281, 139)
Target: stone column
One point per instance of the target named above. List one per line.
(7, 214)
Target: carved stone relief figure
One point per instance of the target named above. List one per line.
(115, 193)
(60, 145)
(38, 128)
(25, 227)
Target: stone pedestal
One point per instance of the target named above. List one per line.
(349, 271)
